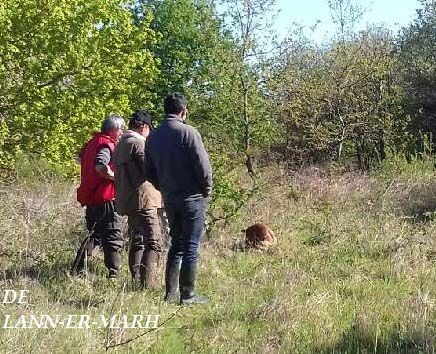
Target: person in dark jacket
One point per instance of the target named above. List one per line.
(97, 193)
(178, 165)
(139, 200)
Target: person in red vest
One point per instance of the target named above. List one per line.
(97, 193)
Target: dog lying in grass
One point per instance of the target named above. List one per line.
(259, 236)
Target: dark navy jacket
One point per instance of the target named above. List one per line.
(177, 162)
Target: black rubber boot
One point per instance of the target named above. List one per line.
(172, 272)
(135, 257)
(187, 286)
(84, 253)
(149, 269)
(112, 261)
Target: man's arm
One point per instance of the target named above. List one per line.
(102, 164)
(200, 162)
(150, 169)
(105, 171)
(138, 156)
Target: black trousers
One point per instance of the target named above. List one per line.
(104, 223)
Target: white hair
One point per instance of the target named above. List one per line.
(112, 122)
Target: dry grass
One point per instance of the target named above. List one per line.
(354, 270)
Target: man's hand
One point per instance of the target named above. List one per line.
(105, 171)
(207, 192)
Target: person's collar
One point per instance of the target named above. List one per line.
(129, 133)
(105, 135)
(174, 117)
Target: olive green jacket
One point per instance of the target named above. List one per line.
(133, 192)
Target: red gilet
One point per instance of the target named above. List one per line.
(94, 189)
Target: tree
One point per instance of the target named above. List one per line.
(249, 24)
(338, 101)
(417, 68)
(345, 15)
(64, 65)
(188, 33)
(199, 57)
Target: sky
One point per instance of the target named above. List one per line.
(393, 13)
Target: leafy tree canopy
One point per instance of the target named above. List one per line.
(64, 65)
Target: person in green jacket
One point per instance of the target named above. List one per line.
(139, 200)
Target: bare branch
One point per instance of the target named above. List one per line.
(144, 333)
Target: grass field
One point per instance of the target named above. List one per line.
(354, 270)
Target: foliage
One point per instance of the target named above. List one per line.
(418, 73)
(355, 267)
(340, 100)
(63, 66)
(199, 57)
(254, 127)
(358, 98)
(188, 34)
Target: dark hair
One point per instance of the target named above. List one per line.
(139, 118)
(175, 103)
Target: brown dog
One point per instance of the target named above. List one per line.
(259, 236)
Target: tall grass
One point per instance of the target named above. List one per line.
(354, 270)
